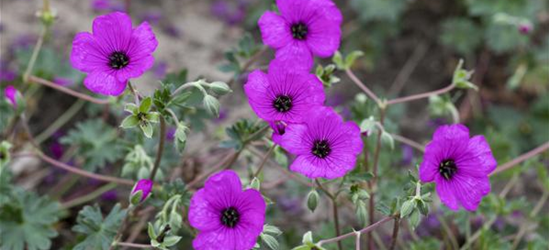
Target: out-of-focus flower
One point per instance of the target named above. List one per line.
(114, 53)
(159, 69)
(225, 216)
(525, 28)
(10, 93)
(459, 166)
(231, 12)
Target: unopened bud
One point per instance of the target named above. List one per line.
(212, 105)
(220, 88)
(312, 200)
(141, 191)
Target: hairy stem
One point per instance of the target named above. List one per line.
(160, 150)
(540, 149)
(396, 227)
(336, 222)
(362, 86)
(264, 160)
(371, 207)
(59, 122)
(66, 90)
(134, 245)
(364, 230)
(89, 197)
(422, 95)
(35, 52)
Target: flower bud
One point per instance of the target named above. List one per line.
(212, 105)
(141, 191)
(525, 28)
(10, 93)
(220, 88)
(312, 200)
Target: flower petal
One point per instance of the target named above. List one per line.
(470, 190)
(202, 215)
(324, 36)
(86, 54)
(113, 31)
(297, 54)
(479, 161)
(223, 189)
(295, 140)
(274, 30)
(445, 193)
(103, 83)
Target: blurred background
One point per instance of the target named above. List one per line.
(410, 46)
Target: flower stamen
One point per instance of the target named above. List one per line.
(299, 31)
(447, 169)
(118, 60)
(283, 103)
(321, 148)
(230, 217)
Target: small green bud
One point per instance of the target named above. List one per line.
(212, 105)
(220, 88)
(407, 208)
(312, 200)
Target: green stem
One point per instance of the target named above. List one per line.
(35, 53)
(371, 206)
(89, 197)
(160, 148)
(264, 160)
(62, 120)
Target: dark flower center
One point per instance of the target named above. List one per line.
(299, 31)
(230, 217)
(118, 60)
(282, 103)
(447, 169)
(321, 148)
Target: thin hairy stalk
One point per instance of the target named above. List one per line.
(89, 197)
(372, 204)
(408, 69)
(364, 230)
(134, 245)
(524, 226)
(357, 241)
(335, 213)
(36, 50)
(134, 92)
(521, 158)
(84, 173)
(160, 150)
(362, 86)
(228, 158)
(68, 91)
(249, 63)
(264, 160)
(408, 142)
(59, 122)
(396, 227)
(422, 95)
(448, 231)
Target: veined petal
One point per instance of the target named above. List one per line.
(113, 31)
(275, 31)
(101, 82)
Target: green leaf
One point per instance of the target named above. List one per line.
(338, 60)
(414, 219)
(351, 58)
(361, 212)
(307, 238)
(95, 143)
(99, 232)
(145, 105)
(26, 221)
(270, 229)
(270, 241)
(368, 125)
(147, 129)
(171, 240)
(132, 108)
(129, 122)
(407, 208)
(212, 105)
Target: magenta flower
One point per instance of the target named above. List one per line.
(283, 94)
(10, 93)
(303, 28)
(525, 28)
(114, 53)
(325, 145)
(459, 166)
(143, 185)
(226, 216)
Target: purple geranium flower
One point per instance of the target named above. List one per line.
(459, 166)
(10, 93)
(303, 28)
(283, 94)
(226, 216)
(114, 53)
(325, 145)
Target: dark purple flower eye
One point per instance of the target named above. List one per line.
(321, 148)
(299, 31)
(459, 166)
(118, 60)
(282, 103)
(230, 217)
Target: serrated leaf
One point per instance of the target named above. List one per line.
(99, 232)
(145, 105)
(171, 240)
(147, 129)
(129, 122)
(407, 208)
(338, 60)
(351, 58)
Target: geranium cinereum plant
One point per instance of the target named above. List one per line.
(286, 153)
